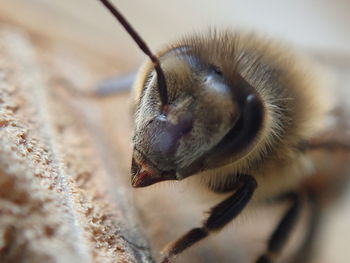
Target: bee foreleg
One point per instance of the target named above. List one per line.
(220, 215)
(282, 232)
(306, 248)
(115, 85)
(326, 145)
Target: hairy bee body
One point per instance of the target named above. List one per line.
(293, 100)
(241, 119)
(237, 115)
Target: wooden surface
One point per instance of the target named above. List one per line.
(61, 199)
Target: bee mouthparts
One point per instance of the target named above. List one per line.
(142, 175)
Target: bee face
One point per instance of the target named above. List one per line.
(202, 109)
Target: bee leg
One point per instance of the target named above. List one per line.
(305, 251)
(220, 215)
(115, 85)
(280, 236)
(326, 145)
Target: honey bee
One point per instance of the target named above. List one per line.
(238, 113)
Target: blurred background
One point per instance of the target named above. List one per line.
(320, 28)
(318, 25)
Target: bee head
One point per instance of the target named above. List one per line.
(204, 104)
(195, 110)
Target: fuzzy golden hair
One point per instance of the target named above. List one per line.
(292, 95)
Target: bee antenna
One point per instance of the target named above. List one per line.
(143, 46)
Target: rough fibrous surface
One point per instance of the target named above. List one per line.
(60, 200)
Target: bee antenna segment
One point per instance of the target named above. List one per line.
(163, 94)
